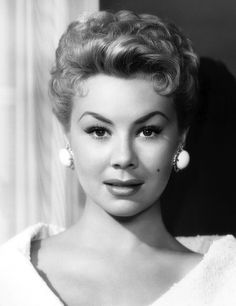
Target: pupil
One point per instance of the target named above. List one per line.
(147, 132)
(100, 133)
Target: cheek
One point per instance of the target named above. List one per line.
(89, 161)
(157, 161)
(164, 163)
(159, 157)
(162, 169)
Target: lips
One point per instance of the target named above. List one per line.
(120, 183)
(119, 188)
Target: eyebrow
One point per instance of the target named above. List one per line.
(138, 121)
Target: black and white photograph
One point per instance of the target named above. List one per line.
(118, 153)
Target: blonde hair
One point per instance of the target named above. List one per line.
(126, 45)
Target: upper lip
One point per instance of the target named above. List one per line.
(131, 182)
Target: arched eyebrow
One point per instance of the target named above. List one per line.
(138, 121)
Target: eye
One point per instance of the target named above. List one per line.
(150, 131)
(98, 132)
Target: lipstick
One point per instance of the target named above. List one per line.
(123, 188)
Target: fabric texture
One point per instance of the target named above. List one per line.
(211, 283)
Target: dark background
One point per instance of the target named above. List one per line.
(211, 24)
(201, 199)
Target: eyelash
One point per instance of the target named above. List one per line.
(93, 129)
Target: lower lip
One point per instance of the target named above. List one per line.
(123, 190)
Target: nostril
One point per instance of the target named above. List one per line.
(123, 156)
(122, 166)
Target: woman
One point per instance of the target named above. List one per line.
(123, 88)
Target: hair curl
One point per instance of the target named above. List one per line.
(125, 45)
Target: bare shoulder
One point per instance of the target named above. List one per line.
(46, 254)
(38, 250)
(185, 262)
(47, 259)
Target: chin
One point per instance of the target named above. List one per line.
(126, 209)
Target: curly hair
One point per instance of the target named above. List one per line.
(126, 45)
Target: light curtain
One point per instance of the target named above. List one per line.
(34, 186)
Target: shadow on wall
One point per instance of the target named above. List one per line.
(202, 198)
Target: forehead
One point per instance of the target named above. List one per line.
(119, 98)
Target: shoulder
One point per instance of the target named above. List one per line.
(221, 257)
(19, 282)
(218, 273)
(202, 243)
(219, 254)
(22, 241)
(213, 280)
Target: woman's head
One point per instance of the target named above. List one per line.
(128, 46)
(124, 85)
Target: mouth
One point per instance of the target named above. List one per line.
(127, 183)
(123, 188)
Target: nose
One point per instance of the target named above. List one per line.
(123, 155)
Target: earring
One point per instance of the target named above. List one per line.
(181, 159)
(66, 157)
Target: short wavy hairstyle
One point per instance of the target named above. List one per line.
(126, 45)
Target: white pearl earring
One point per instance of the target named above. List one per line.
(66, 157)
(181, 159)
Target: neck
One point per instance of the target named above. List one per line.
(96, 228)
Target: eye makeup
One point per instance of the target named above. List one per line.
(100, 132)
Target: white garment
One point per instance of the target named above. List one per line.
(20, 283)
(211, 283)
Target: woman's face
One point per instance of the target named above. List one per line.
(123, 136)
